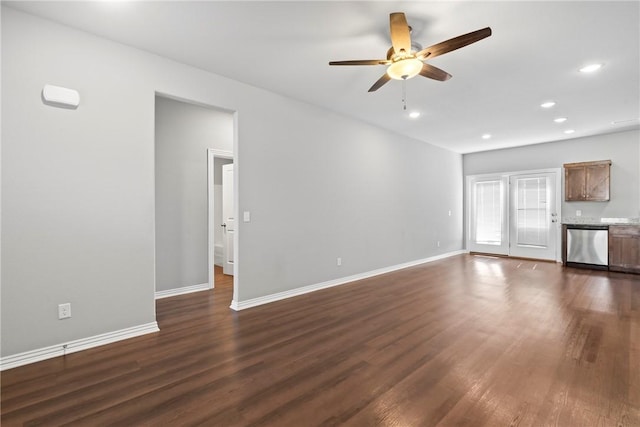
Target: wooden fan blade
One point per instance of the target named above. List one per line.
(435, 73)
(381, 81)
(453, 44)
(361, 62)
(400, 36)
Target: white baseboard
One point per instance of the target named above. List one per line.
(181, 291)
(32, 356)
(241, 305)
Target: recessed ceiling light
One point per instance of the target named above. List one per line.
(568, 131)
(560, 120)
(547, 104)
(414, 114)
(486, 136)
(590, 68)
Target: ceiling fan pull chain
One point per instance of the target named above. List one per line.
(404, 94)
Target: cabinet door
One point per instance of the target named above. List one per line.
(597, 183)
(624, 248)
(574, 183)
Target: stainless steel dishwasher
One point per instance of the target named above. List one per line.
(588, 246)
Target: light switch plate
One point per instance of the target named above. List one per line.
(246, 216)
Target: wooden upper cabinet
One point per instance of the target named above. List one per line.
(587, 181)
(574, 183)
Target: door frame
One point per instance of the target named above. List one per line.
(507, 175)
(211, 156)
(228, 219)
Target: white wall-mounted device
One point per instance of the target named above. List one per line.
(60, 96)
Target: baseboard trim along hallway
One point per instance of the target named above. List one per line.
(32, 356)
(181, 291)
(242, 305)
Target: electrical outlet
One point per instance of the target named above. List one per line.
(438, 243)
(578, 212)
(64, 310)
(338, 261)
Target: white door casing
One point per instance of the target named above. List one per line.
(213, 220)
(228, 219)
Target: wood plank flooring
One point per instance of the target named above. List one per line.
(464, 341)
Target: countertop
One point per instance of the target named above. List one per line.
(583, 220)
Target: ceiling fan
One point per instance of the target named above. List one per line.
(405, 63)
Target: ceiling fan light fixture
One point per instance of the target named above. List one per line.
(404, 58)
(405, 68)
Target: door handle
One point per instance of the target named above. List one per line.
(224, 225)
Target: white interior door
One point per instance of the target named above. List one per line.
(228, 221)
(533, 216)
(488, 232)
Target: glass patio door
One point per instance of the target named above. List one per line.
(488, 215)
(533, 216)
(514, 214)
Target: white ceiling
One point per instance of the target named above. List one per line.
(498, 83)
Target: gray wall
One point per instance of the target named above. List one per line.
(78, 186)
(622, 148)
(183, 133)
(340, 188)
(77, 189)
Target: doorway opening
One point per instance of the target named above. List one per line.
(185, 133)
(515, 214)
(221, 216)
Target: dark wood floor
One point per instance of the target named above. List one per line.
(468, 340)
